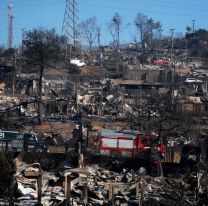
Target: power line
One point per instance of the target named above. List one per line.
(117, 8)
(111, 7)
(125, 9)
(180, 3)
(149, 3)
(155, 4)
(35, 5)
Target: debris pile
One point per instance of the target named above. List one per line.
(35, 185)
(98, 186)
(167, 191)
(102, 187)
(128, 188)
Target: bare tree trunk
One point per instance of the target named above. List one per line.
(141, 40)
(40, 94)
(90, 47)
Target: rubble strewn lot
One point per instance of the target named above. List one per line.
(128, 132)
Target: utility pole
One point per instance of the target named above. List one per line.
(23, 36)
(171, 50)
(98, 35)
(70, 24)
(193, 26)
(53, 33)
(14, 72)
(10, 26)
(100, 49)
(186, 52)
(172, 68)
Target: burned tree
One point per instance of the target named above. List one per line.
(89, 30)
(141, 25)
(154, 30)
(154, 115)
(148, 29)
(9, 54)
(42, 46)
(114, 27)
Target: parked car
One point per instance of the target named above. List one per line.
(193, 80)
(160, 62)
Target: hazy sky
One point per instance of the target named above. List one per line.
(49, 13)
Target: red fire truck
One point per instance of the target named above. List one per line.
(128, 143)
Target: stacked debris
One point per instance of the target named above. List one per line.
(98, 186)
(91, 186)
(52, 191)
(26, 181)
(167, 191)
(35, 186)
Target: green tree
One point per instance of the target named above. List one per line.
(7, 170)
(41, 48)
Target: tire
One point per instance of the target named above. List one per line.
(39, 149)
(14, 149)
(115, 154)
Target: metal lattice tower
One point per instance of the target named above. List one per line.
(70, 23)
(10, 26)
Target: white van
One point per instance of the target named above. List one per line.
(78, 62)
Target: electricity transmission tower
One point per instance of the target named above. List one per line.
(10, 26)
(70, 23)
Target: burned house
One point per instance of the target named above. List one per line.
(7, 76)
(190, 106)
(149, 73)
(135, 91)
(26, 84)
(191, 95)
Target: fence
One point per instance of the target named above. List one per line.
(169, 154)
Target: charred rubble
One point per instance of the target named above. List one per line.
(93, 185)
(144, 98)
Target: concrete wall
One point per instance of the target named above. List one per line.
(150, 75)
